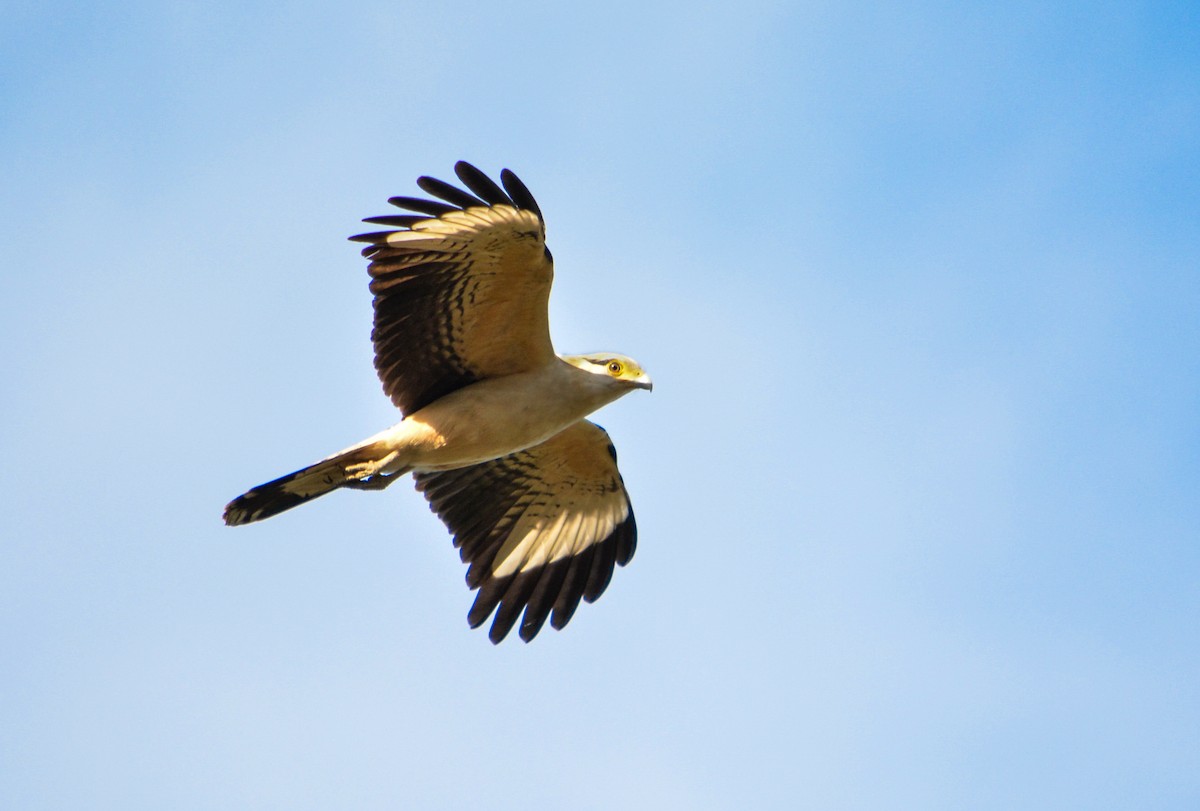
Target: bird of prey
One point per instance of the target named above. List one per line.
(493, 429)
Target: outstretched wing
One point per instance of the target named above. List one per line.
(540, 528)
(461, 289)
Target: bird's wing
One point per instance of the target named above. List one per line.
(461, 289)
(540, 528)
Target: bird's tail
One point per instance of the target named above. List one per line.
(358, 467)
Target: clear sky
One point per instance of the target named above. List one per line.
(917, 487)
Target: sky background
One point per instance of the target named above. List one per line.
(917, 487)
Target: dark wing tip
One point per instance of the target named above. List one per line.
(451, 194)
(520, 193)
(481, 184)
(486, 600)
(451, 198)
(626, 539)
(514, 603)
(571, 590)
(396, 220)
(430, 207)
(602, 569)
(375, 237)
(541, 601)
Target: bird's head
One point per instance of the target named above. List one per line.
(614, 367)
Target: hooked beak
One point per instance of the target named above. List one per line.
(644, 382)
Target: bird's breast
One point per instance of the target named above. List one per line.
(487, 420)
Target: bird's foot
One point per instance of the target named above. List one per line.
(370, 483)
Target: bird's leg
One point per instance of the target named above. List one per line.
(370, 483)
(373, 475)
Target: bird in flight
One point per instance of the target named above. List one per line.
(493, 429)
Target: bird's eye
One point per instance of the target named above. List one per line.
(615, 367)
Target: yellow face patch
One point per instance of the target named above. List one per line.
(617, 367)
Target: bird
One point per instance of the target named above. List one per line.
(494, 426)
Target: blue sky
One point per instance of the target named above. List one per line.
(916, 488)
